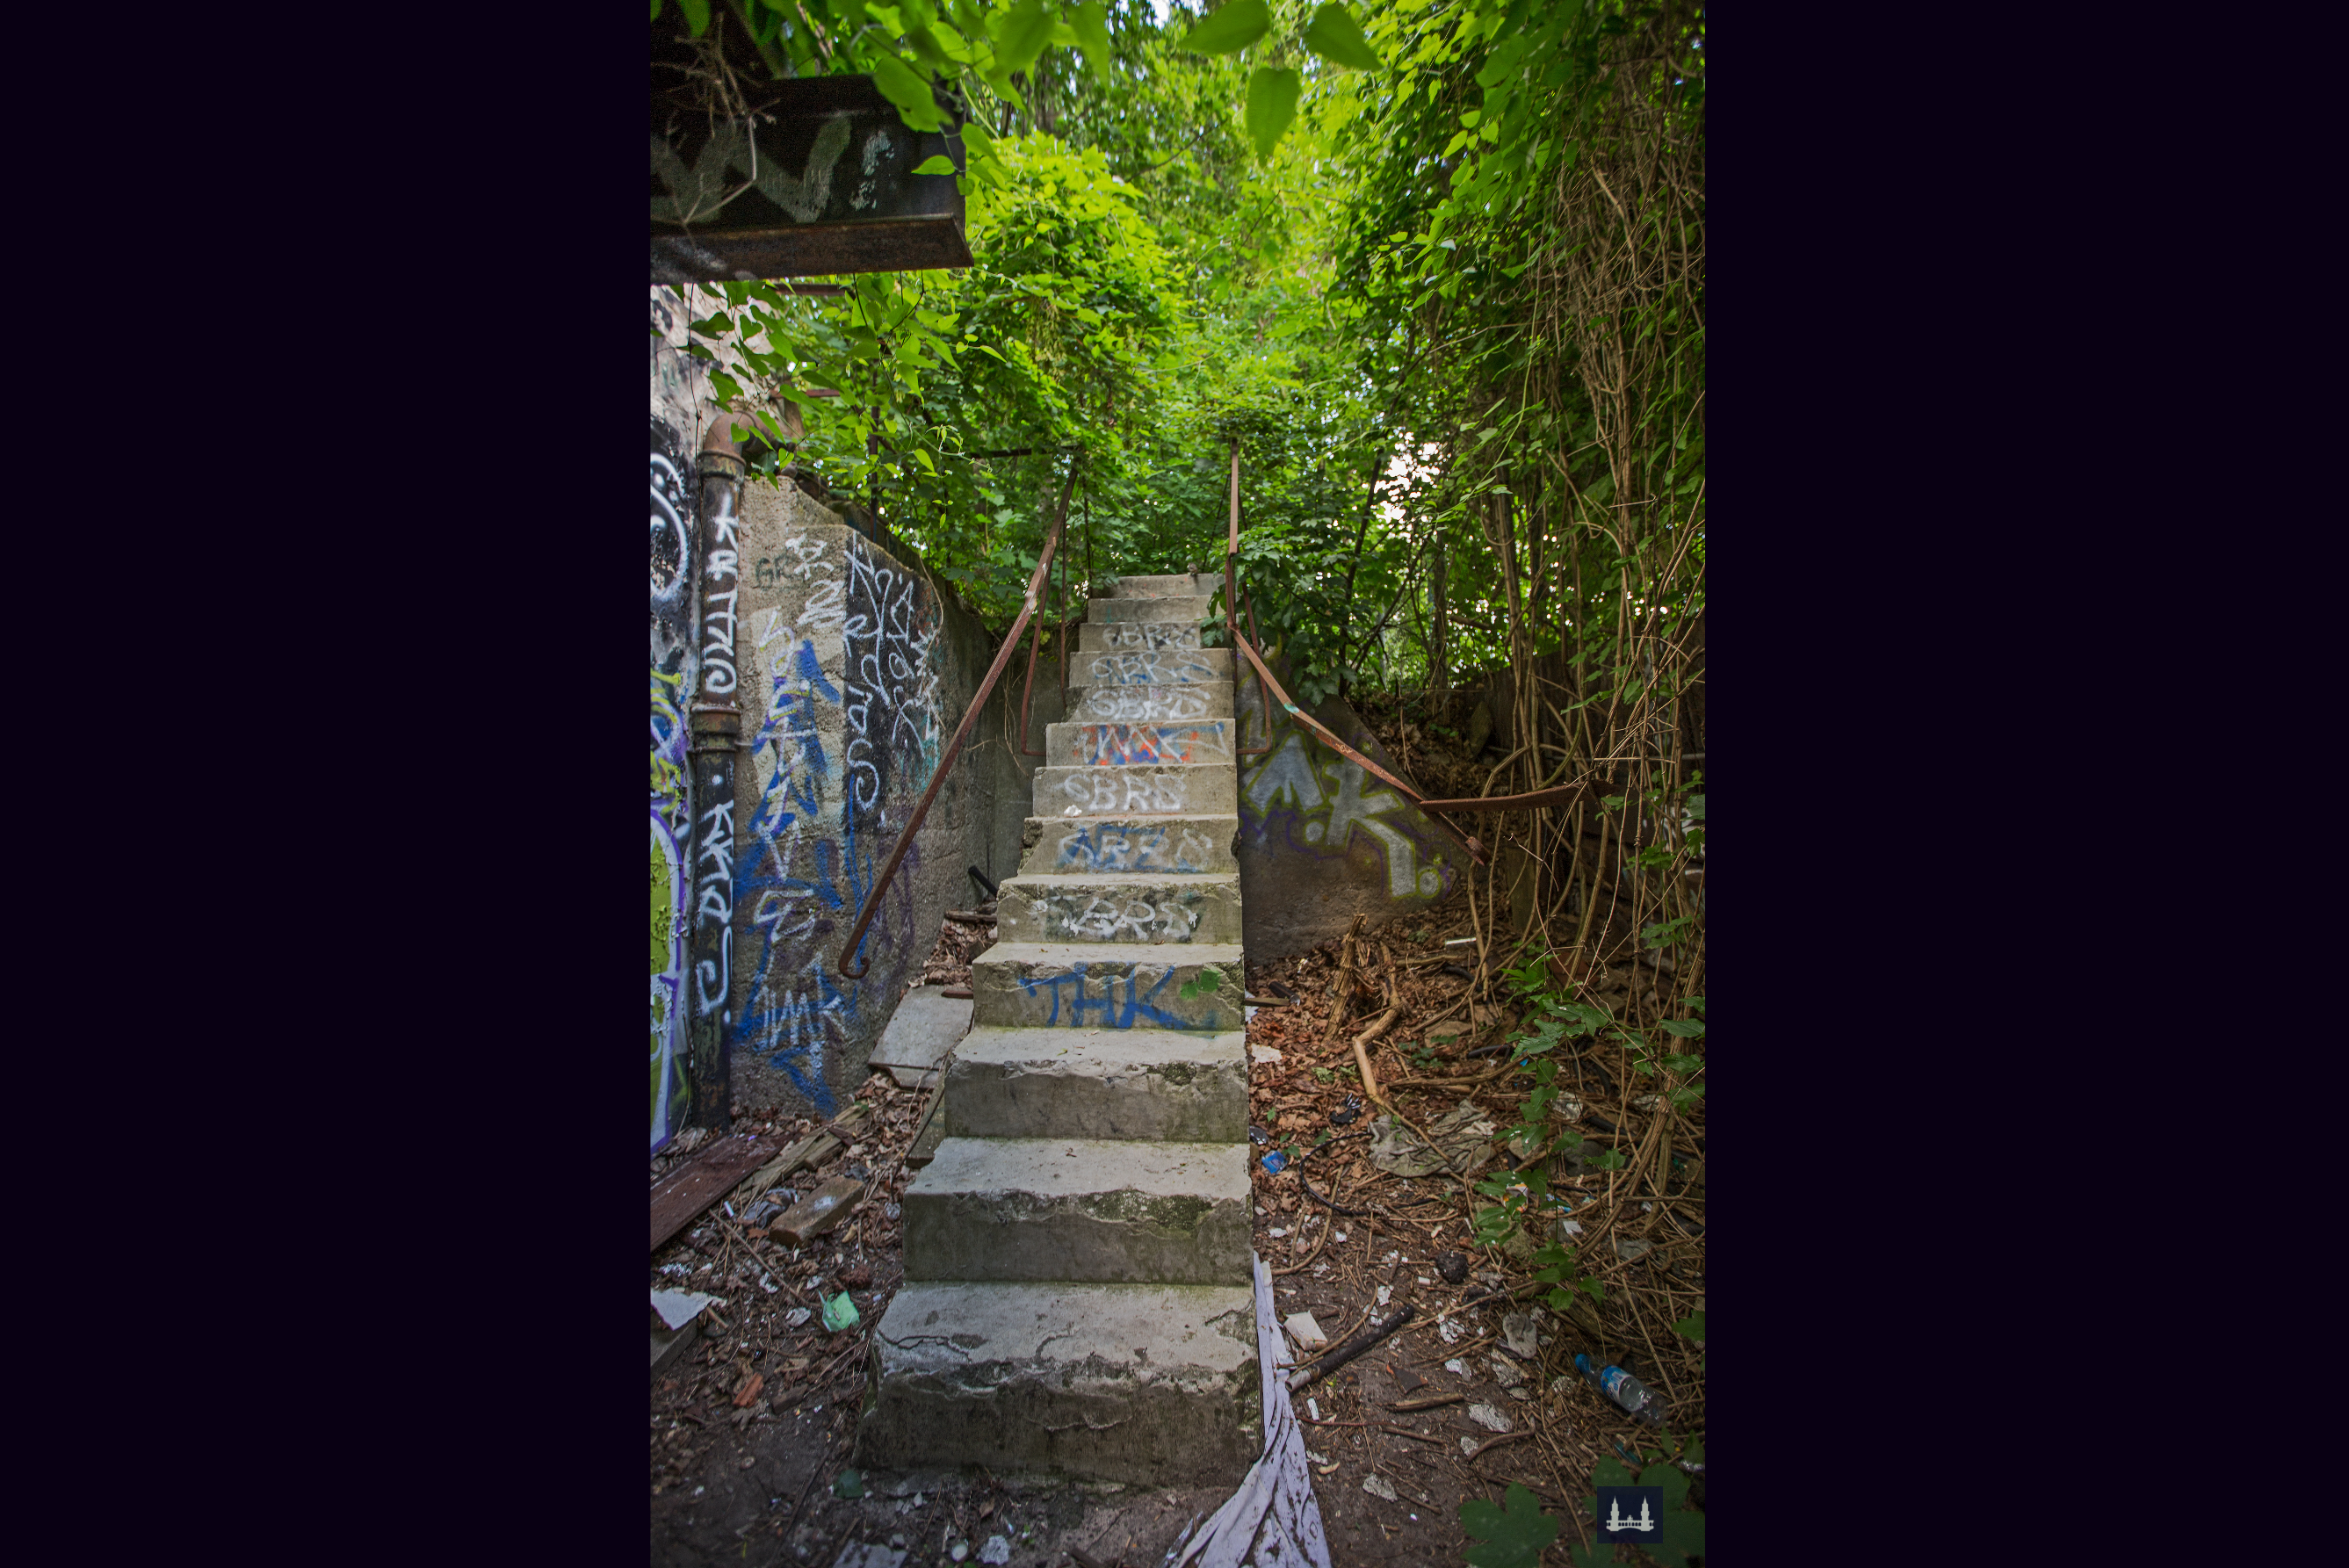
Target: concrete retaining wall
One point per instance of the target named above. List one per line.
(1321, 839)
(856, 666)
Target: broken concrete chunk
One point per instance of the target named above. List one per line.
(1517, 1332)
(820, 1210)
(1505, 1373)
(1378, 1485)
(1304, 1330)
(1485, 1416)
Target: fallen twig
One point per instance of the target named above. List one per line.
(1497, 1442)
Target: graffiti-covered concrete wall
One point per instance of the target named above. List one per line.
(856, 666)
(679, 392)
(1321, 839)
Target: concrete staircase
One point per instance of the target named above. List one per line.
(1076, 1292)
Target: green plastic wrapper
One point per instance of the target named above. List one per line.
(839, 1313)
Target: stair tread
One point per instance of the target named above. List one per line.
(1071, 954)
(1064, 1168)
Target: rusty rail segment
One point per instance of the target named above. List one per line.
(1231, 623)
(954, 748)
(1553, 797)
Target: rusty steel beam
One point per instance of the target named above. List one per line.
(819, 181)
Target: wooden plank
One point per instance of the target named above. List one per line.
(680, 1197)
(820, 1210)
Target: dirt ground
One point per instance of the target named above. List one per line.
(750, 1429)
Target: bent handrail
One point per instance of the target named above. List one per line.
(1559, 795)
(946, 763)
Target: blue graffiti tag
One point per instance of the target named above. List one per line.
(1114, 1014)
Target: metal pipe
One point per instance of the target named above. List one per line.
(717, 723)
(954, 748)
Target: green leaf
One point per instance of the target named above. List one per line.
(1693, 1325)
(1271, 104)
(1025, 33)
(1231, 29)
(1684, 1027)
(1090, 21)
(655, 10)
(697, 16)
(1514, 1533)
(1336, 37)
(936, 163)
(901, 86)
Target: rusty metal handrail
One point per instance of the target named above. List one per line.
(1231, 623)
(1556, 796)
(954, 748)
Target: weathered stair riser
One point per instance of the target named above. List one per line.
(1078, 1293)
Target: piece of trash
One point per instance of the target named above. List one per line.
(679, 1308)
(1385, 1291)
(1313, 1407)
(1257, 1134)
(1505, 1373)
(1457, 1366)
(1304, 1330)
(961, 1549)
(1464, 1144)
(1460, 942)
(747, 1391)
(839, 1312)
(1278, 1231)
(1450, 1328)
(1378, 1485)
(1453, 1266)
(1485, 1416)
(1275, 1163)
(796, 1316)
(1566, 1108)
(1339, 1237)
(848, 1484)
(997, 1550)
(1517, 1332)
(1623, 1388)
(1262, 1055)
(1630, 1247)
(1347, 1114)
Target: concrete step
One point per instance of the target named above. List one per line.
(1168, 788)
(1146, 703)
(1121, 906)
(1107, 986)
(1108, 636)
(1150, 1385)
(1185, 609)
(1153, 667)
(1102, 1210)
(1074, 845)
(1097, 745)
(1174, 1086)
(1182, 585)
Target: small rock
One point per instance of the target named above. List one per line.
(1304, 1330)
(1456, 1365)
(1505, 1373)
(997, 1551)
(1520, 1394)
(1468, 1445)
(1453, 1266)
(1378, 1485)
(1385, 1291)
(958, 1551)
(1485, 1416)
(1517, 1332)
(1630, 1247)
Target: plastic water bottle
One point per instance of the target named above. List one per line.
(1624, 1390)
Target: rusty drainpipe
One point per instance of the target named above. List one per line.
(717, 735)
